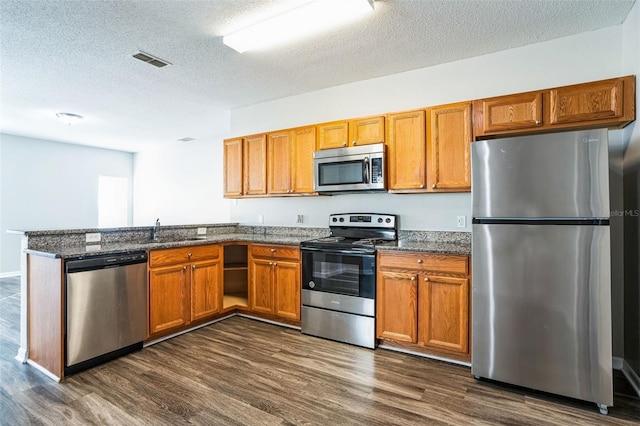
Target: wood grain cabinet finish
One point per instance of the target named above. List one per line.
(449, 137)
(274, 284)
(185, 285)
(406, 149)
(255, 165)
(290, 161)
(233, 185)
(423, 300)
(605, 103)
(359, 131)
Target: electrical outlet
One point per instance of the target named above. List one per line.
(92, 237)
(462, 221)
(202, 231)
(260, 218)
(299, 218)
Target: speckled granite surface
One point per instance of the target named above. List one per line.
(71, 243)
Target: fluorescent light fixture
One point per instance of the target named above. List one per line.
(309, 18)
(68, 118)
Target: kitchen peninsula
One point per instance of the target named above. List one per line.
(205, 271)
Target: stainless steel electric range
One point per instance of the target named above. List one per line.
(339, 277)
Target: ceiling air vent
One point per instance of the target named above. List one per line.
(150, 59)
(187, 139)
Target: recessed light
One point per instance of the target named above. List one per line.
(69, 118)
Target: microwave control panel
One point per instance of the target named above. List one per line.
(377, 172)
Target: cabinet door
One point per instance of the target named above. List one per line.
(587, 102)
(279, 160)
(255, 165)
(233, 167)
(287, 290)
(304, 144)
(406, 149)
(444, 313)
(512, 112)
(333, 135)
(365, 131)
(168, 298)
(261, 286)
(397, 306)
(449, 148)
(206, 289)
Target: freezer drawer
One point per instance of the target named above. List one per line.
(562, 175)
(542, 308)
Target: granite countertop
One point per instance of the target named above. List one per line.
(111, 248)
(445, 247)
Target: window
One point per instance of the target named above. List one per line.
(113, 201)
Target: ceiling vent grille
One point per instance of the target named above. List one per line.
(150, 59)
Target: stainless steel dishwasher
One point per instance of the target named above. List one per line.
(106, 308)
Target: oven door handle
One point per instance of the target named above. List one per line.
(335, 251)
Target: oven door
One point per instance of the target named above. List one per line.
(339, 272)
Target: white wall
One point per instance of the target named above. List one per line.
(50, 185)
(180, 184)
(584, 57)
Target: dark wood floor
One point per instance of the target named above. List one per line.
(245, 372)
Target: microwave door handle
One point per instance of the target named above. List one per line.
(365, 170)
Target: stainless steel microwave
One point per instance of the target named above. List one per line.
(351, 169)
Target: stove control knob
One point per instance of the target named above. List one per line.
(335, 219)
(388, 220)
(312, 284)
(379, 220)
(342, 219)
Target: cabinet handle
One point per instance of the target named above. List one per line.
(419, 260)
(344, 144)
(275, 263)
(184, 268)
(273, 250)
(433, 186)
(538, 122)
(189, 254)
(413, 278)
(426, 279)
(354, 142)
(422, 186)
(193, 266)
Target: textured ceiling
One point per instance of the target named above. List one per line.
(75, 56)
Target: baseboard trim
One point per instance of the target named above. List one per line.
(162, 339)
(423, 355)
(43, 370)
(22, 356)
(281, 324)
(631, 376)
(9, 274)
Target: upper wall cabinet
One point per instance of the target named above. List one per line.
(449, 137)
(233, 167)
(606, 103)
(406, 149)
(360, 131)
(245, 166)
(290, 161)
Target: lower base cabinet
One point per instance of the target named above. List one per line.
(185, 286)
(423, 299)
(274, 284)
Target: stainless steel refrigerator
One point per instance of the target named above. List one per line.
(541, 264)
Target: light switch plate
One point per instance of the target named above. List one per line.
(93, 237)
(202, 231)
(462, 221)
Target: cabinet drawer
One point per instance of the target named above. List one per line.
(280, 252)
(182, 255)
(425, 262)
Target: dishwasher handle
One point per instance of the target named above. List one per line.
(105, 261)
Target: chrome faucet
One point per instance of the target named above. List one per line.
(156, 228)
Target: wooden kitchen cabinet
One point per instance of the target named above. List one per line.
(185, 285)
(274, 284)
(605, 103)
(233, 167)
(245, 166)
(449, 137)
(423, 301)
(406, 159)
(359, 131)
(290, 161)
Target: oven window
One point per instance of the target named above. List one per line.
(343, 172)
(352, 275)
